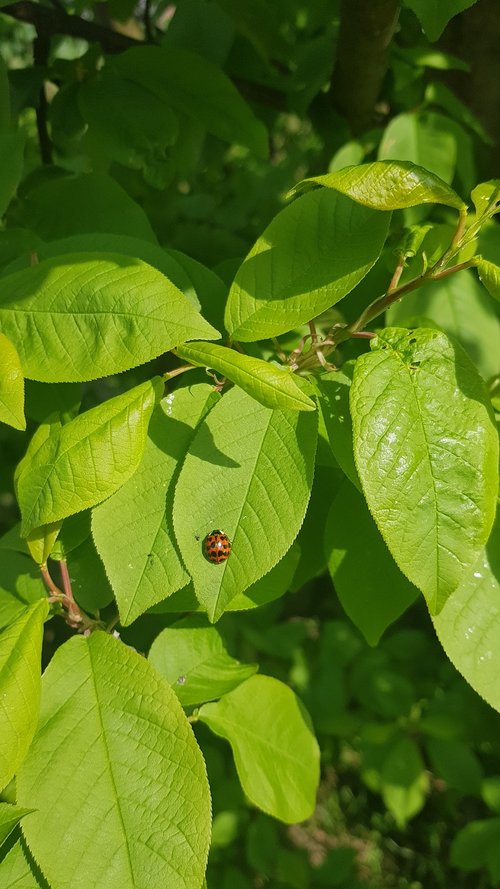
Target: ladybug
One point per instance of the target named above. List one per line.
(217, 547)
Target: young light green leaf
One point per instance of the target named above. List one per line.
(388, 185)
(9, 817)
(435, 16)
(311, 255)
(274, 748)
(468, 627)
(196, 87)
(88, 459)
(15, 872)
(426, 450)
(133, 529)
(334, 391)
(486, 197)
(20, 651)
(193, 659)
(90, 315)
(269, 384)
(369, 584)
(11, 166)
(112, 729)
(489, 274)
(249, 473)
(11, 386)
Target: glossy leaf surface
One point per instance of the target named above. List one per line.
(426, 450)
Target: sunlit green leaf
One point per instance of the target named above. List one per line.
(89, 315)
(113, 731)
(11, 386)
(310, 256)
(275, 751)
(86, 460)
(193, 658)
(248, 472)
(20, 651)
(426, 450)
(271, 385)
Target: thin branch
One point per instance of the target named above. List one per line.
(41, 47)
(178, 370)
(148, 30)
(49, 21)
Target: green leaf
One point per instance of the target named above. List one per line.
(334, 391)
(476, 845)
(369, 584)
(11, 166)
(310, 256)
(456, 764)
(439, 94)
(248, 472)
(129, 124)
(193, 659)
(271, 385)
(486, 197)
(74, 531)
(435, 16)
(20, 651)
(270, 587)
(468, 627)
(113, 731)
(388, 185)
(404, 781)
(87, 459)
(11, 386)
(91, 315)
(133, 529)
(424, 138)
(196, 87)
(92, 202)
(274, 748)
(20, 585)
(489, 274)
(9, 817)
(312, 563)
(90, 584)
(461, 308)
(15, 872)
(430, 485)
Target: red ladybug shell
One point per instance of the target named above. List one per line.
(217, 547)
